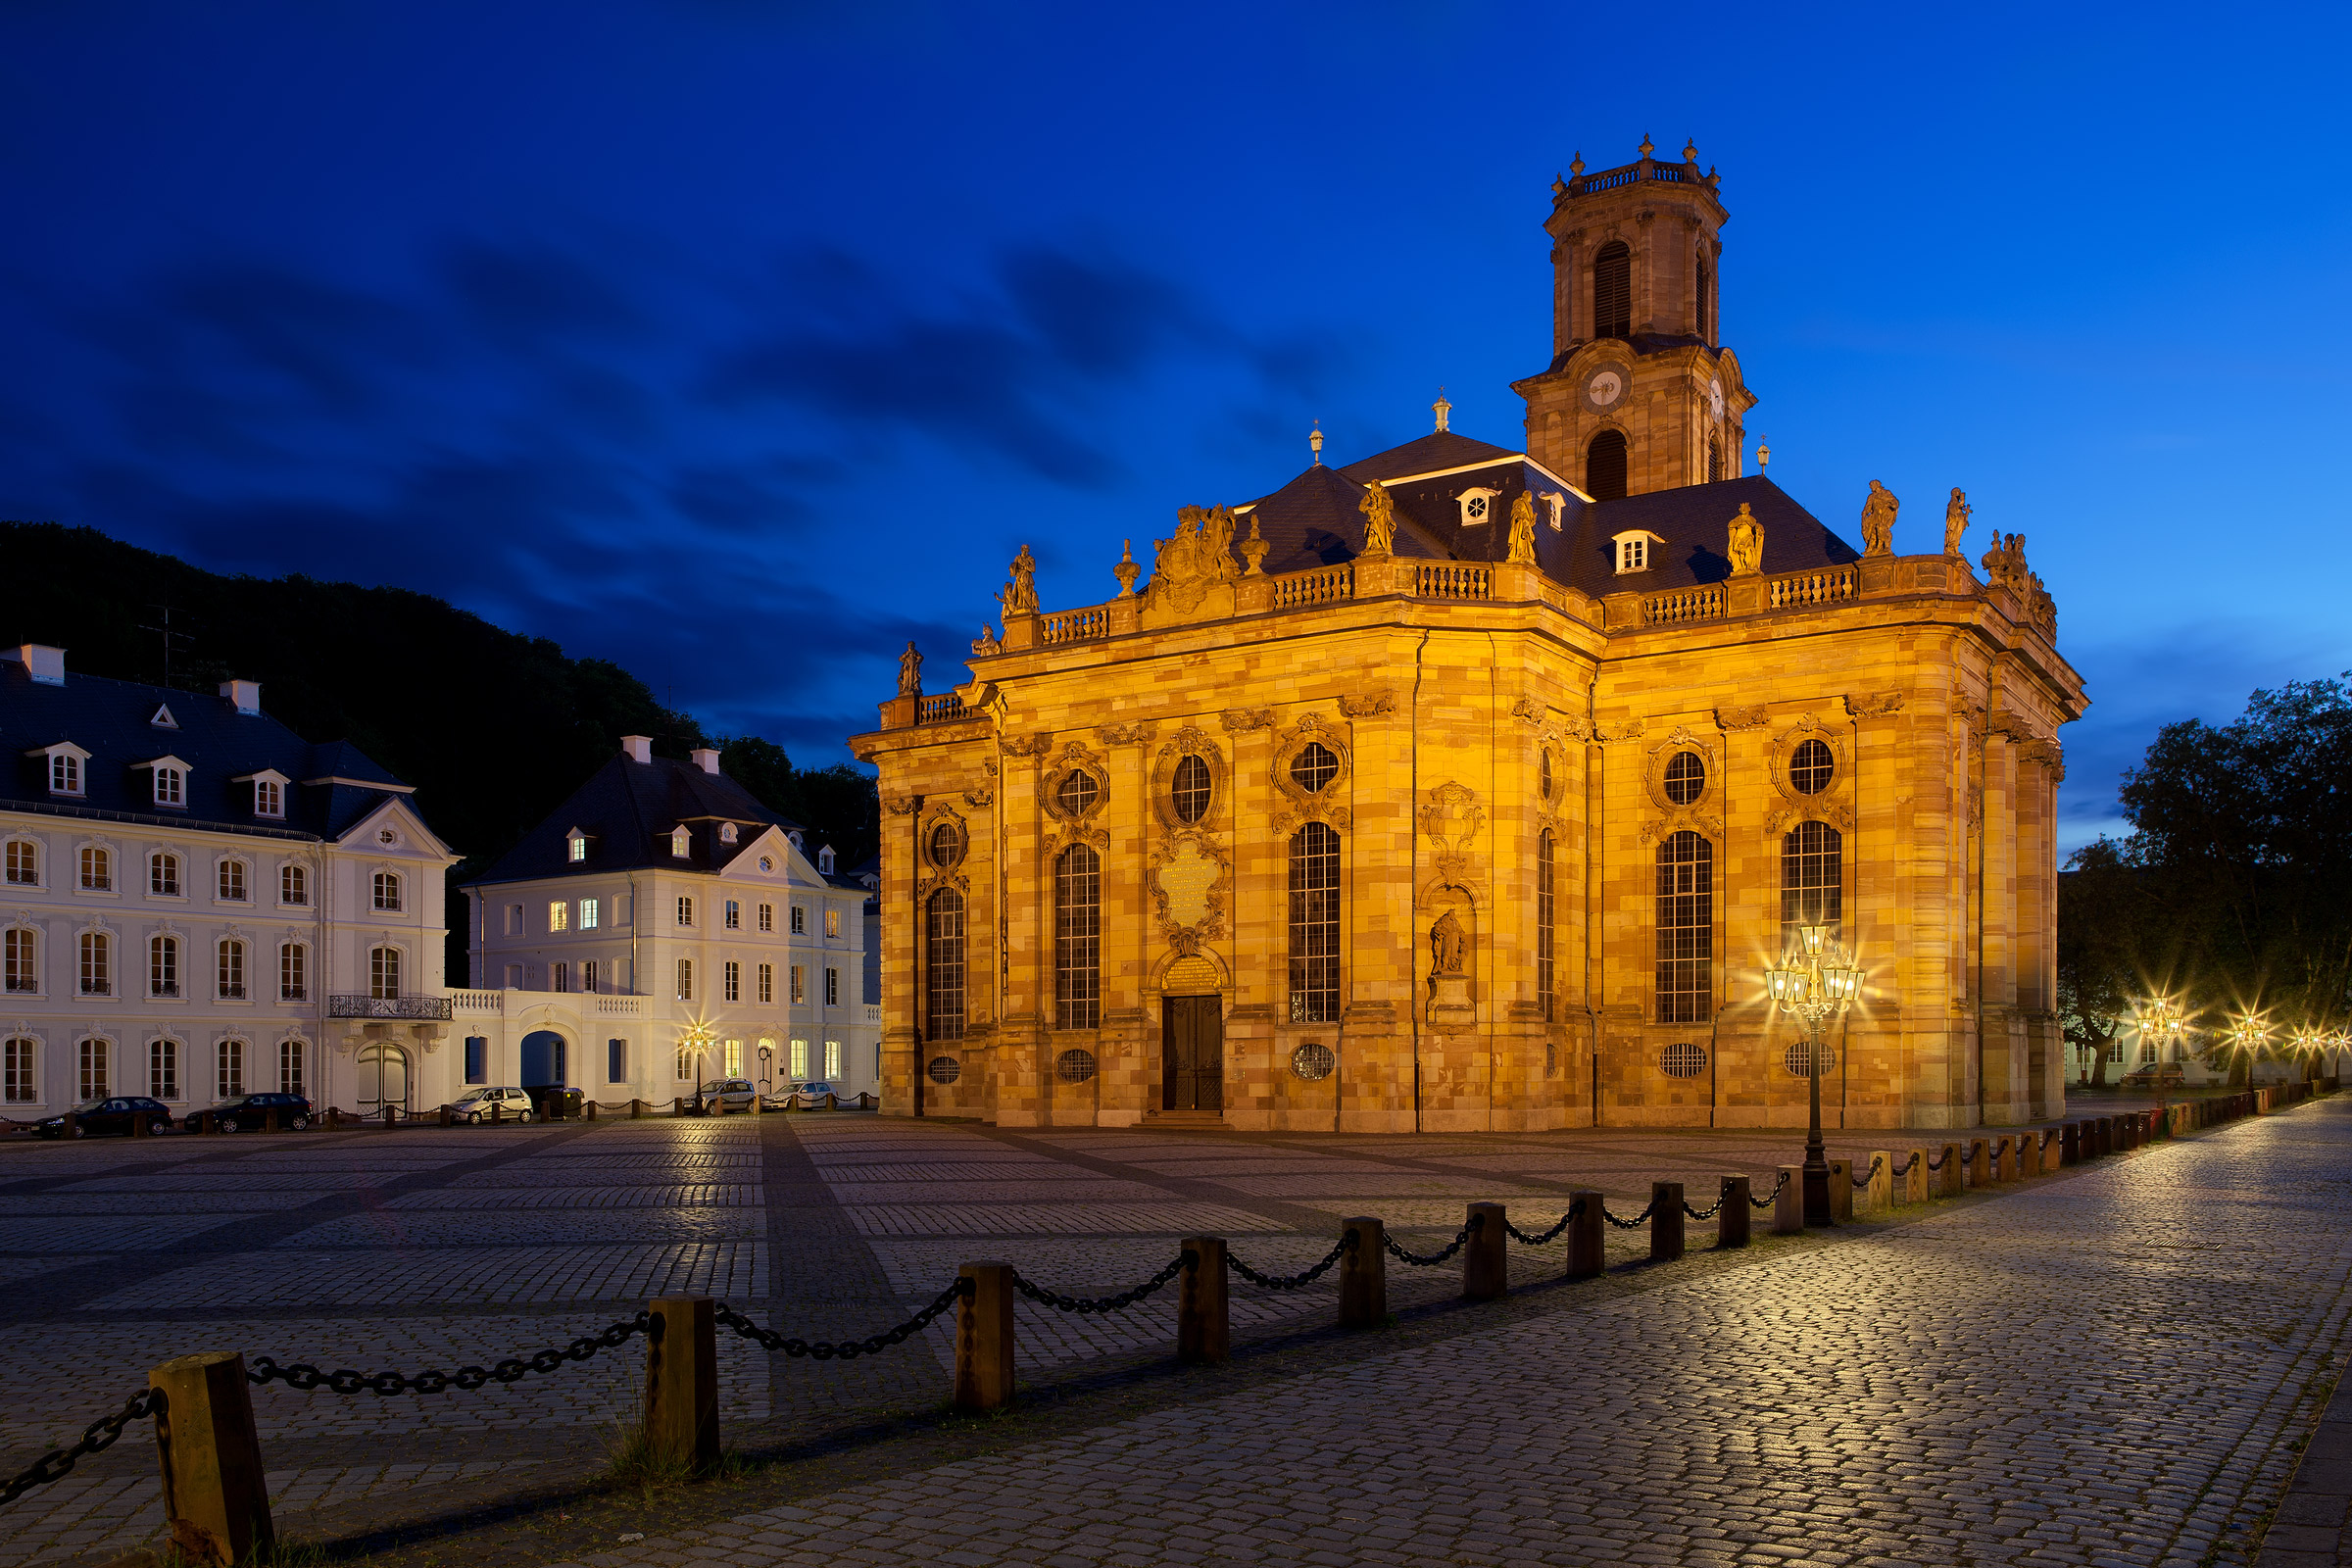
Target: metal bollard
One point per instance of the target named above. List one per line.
(1364, 1275)
(1588, 1238)
(2069, 1144)
(1788, 1208)
(1915, 1178)
(1735, 1211)
(681, 1383)
(984, 1338)
(214, 1500)
(1882, 1183)
(1979, 1172)
(1203, 1326)
(1665, 1221)
(1486, 1255)
(1841, 1192)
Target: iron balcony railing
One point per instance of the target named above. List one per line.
(388, 1007)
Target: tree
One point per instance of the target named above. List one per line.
(2104, 914)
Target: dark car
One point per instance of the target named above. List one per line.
(250, 1113)
(109, 1116)
(554, 1101)
(735, 1094)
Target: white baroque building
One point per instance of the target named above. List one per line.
(198, 902)
(662, 929)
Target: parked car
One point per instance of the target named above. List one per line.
(510, 1102)
(813, 1090)
(250, 1113)
(555, 1102)
(109, 1116)
(2156, 1075)
(736, 1094)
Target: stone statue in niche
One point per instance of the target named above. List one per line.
(1747, 544)
(1955, 520)
(1523, 528)
(1877, 521)
(911, 672)
(1448, 945)
(1450, 1004)
(1379, 521)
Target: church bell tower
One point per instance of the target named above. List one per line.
(1640, 395)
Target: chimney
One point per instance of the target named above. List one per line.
(246, 694)
(46, 664)
(706, 758)
(637, 748)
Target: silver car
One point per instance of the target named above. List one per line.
(475, 1105)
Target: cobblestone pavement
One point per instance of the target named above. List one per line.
(2101, 1367)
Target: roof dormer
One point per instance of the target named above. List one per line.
(575, 845)
(1478, 505)
(170, 780)
(726, 832)
(1633, 549)
(681, 842)
(66, 768)
(824, 861)
(269, 792)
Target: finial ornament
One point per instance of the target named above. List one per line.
(1254, 550)
(1314, 442)
(1647, 147)
(1690, 151)
(1560, 186)
(1576, 164)
(1955, 521)
(1763, 453)
(1126, 570)
(1441, 408)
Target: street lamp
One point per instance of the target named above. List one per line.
(1812, 984)
(2247, 1036)
(2307, 1042)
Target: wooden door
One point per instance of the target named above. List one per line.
(1192, 1033)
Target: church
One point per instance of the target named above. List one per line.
(1471, 787)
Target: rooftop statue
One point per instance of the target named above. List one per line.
(1020, 599)
(1877, 521)
(1747, 544)
(1379, 521)
(1955, 520)
(911, 672)
(1523, 527)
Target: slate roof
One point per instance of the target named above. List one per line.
(628, 809)
(112, 720)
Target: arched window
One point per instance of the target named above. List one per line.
(1078, 938)
(1614, 291)
(1545, 913)
(229, 963)
(1605, 467)
(290, 1066)
(293, 885)
(23, 863)
(163, 875)
(162, 1069)
(230, 1075)
(383, 973)
(1704, 275)
(97, 964)
(19, 1058)
(1189, 791)
(1686, 980)
(942, 968)
(91, 1056)
(162, 966)
(230, 881)
(1315, 924)
(1714, 459)
(387, 890)
(23, 960)
(1812, 880)
(97, 870)
(293, 972)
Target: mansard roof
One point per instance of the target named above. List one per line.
(1441, 449)
(629, 810)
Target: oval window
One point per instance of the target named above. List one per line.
(1544, 775)
(1811, 766)
(947, 845)
(945, 1069)
(1686, 778)
(1190, 791)
(1078, 791)
(1794, 1059)
(1682, 1060)
(1313, 1062)
(1314, 766)
(1074, 1067)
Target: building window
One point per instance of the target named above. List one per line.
(942, 968)
(1313, 767)
(293, 885)
(97, 870)
(680, 844)
(685, 912)
(23, 863)
(726, 832)
(170, 789)
(800, 1059)
(387, 890)
(269, 798)
(833, 922)
(290, 1066)
(64, 773)
(731, 1059)
(383, 973)
(947, 846)
(1614, 291)
(18, 1059)
(92, 1054)
(230, 1074)
(685, 979)
(1077, 938)
(683, 1068)
(162, 1069)
(590, 913)
(832, 1058)
(577, 848)
(514, 920)
(229, 970)
(1315, 924)
(588, 977)
(767, 917)
(617, 1061)
(478, 1059)
(293, 972)
(559, 977)
(558, 915)
(1547, 911)
(799, 987)
(1077, 791)
(1605, 467)
(1686, 928)
(1812, 880)
(162, 966)
(1704, 278)
(163, 875)
(1685, 777)
(731, 980)
(800, 920)
(22, 965)
(832, 988)
(767, 983)
(1189, 791)
(1633, 553)
(1714, 459)
(734, 915)
(230, 883)
(97, 964)
(1811, 766)
(1544, 779)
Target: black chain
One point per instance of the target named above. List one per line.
(1291, 1282)
(1905, 1169)
(1938, 1164)
(1435, 1258)
(1188, 1258)
(302, 1375)
(1706, 1214)
(1863, 1180)
(97, 1435)
(1629, 1224)
(1772, 1196)
(847, 1350)
(1550, 1236)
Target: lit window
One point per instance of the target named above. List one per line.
(293, 972)
(97, 964)
(97, 870)
(767, 982)
(1633, 554)
(231, 1073)
(732, 1057)
(387, 890)
(578, 846)
(64, 773)
(21, 968)
(734, 915)
(800, 1059)
(833, 983)
(17, 1058)
(383, 973)
(269, 798)
(685, 912)
(293, 885)
(558, 915)
(800, 989)
(162, 966)
(685, 979)
(171, 787)
(162, 1069)
(163, 875)
(731, 978)
(230, 882)
(23, 863)
(767, 917)
(800, 920)
(680, 844)
(832, 1058)
(833, 922)
(589, 913)
(229, 967)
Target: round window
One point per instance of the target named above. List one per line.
(1686, 778)
(1074, 1067)
(1795, 1059)
(1314, 766)
(1077, 792)
(1682, 1060)
(945, 1069)
(1189, 793)
(1544, 775)
(947, 845)
(1811, 766)
(1313, 1062)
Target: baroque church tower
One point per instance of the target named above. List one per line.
(1641, 395)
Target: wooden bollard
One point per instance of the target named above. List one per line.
(1882, 1183)
(1203, 1326)
(1588, 1236)
(1666, 1233)
(984, 1338)
(2005, 1158)
(1947, 1172)
(2069, 1144)
(681, 1384)
(2108, 1141)
(1915, 1178)
(589, 1111)
(1486, 1253)
(1841, 1192)
(1734, 1214)
(1980, 1164)
(1789, 1208)
(215, 1501)
(388, 1119)
(636, 1108)
(270, 1120)
(448, 1117)
(138, 1125)
(1364, 1275)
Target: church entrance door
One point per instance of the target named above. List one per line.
(1192, 1035)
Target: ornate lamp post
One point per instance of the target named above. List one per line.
(2163, 1024)
(2247, 1036)
(1812, 984)
(2307, 1042)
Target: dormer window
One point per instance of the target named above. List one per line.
(1632, 550)
(576, 846)
(1558, 504)
(269, 798)
(824, 860)
(1477, 505)
(680, 843)
(64, 767)
(171, 786)
(726, 832)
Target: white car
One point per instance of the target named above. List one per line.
(476, 1106)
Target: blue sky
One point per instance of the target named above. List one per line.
(741, 342)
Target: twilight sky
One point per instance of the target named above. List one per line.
(740, 342)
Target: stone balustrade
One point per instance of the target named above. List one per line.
(1820, 586)
(1683, 604)
(1322, 585)
(1453, 580)
(1074, 626)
